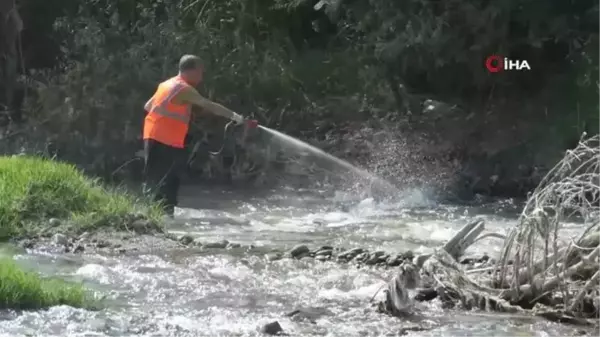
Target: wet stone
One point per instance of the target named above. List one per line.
(326, 248)
(378, 253)
(425, 294)
(382, 259)
(350, 254)
(232, 245)
(60, 239)
(408, 255)
(299, 251)
(327, 252)
(171, 236)
(362, 256)
(102, 244)
(78, 249)
(322, 257)
(394, 261)
(274, 256)
(273, 328)
(217, 245)
(186, 239)
(371, 260)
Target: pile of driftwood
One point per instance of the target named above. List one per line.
(542, 270)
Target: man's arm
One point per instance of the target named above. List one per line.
(189, 95)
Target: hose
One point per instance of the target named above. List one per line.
(194, 151)
(214, 153)
(248, 124)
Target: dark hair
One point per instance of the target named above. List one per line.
(189, 62)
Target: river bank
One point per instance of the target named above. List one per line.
(43, 198)
(294, 252)
(209, 288)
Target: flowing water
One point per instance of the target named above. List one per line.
(189, 293)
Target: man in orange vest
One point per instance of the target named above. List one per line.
(166, 126)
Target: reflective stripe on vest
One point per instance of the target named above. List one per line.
(162, 108)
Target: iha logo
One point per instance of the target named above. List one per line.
(496, 64)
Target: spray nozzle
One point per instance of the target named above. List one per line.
(251, 123)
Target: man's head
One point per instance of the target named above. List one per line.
(191, 69)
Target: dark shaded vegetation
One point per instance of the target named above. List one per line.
(326, 71)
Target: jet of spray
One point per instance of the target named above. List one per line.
(318, 152)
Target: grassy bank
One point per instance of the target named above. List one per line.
(41, 197)
(28, 290)
(34, 190)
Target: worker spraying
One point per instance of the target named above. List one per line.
(166, 126)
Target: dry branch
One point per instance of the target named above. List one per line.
(539, 261)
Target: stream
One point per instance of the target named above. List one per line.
(186, 293)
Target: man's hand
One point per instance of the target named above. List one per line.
(237, 118)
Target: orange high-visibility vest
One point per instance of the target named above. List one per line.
(166, 122)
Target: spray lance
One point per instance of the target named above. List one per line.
(228, 134)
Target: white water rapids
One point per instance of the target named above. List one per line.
(222, 294)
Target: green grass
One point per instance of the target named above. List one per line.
(28, 290)
(33, 190)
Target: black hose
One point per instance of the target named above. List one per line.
(192, 154)
(214, 153)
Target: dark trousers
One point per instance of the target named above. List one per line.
(163, 166)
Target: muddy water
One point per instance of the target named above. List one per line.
(184, 293)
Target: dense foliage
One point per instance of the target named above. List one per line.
(294, 64)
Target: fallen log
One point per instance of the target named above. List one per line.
(445, 277)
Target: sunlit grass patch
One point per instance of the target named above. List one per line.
(34, 189)
(20, 289)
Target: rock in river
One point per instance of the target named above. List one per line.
(217, 245)
(186, 239)
(299, 251)
(273, 328)
(350, 254)
(274, 256)
(60, 239)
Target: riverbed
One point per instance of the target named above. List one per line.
(231, 293)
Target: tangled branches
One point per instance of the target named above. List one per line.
(544, 257)
(541, 267)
